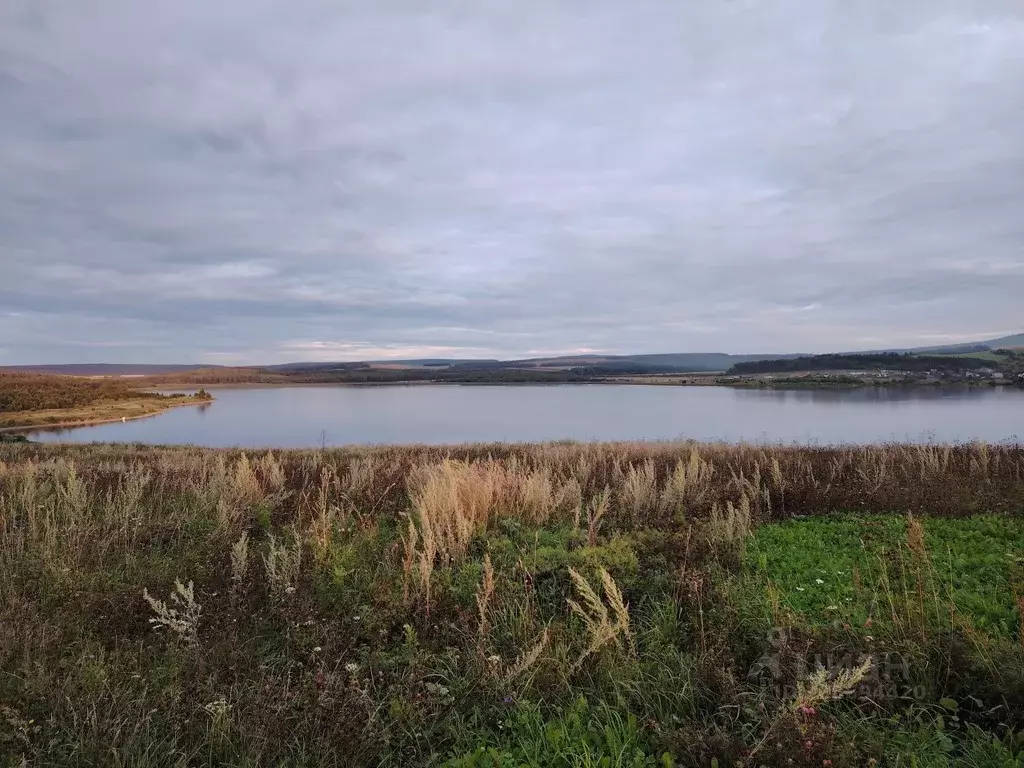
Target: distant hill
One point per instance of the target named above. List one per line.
(421, 368)
(683, 362)
(679, 362)
(1016, 341)
(105, 369)
(704, 361)
(430, 362)
(955, 358)
(950, 349)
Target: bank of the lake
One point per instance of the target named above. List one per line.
(93, 415)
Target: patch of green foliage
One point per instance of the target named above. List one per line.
(575, 736)
(846, 570)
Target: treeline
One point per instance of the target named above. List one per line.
(513, 376)
(450, 375)
(21, 392)
(868, 362)
(631, 369)
(39, 392)
(205, 376)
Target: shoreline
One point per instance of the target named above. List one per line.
(701, 381)
(93, 422)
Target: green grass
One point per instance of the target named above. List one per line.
(844, 569)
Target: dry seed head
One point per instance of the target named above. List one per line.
(601, 630)
(818, 688)
(240, 559)
(484, 593)
(527, 660)
(180, 614)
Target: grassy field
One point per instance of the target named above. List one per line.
(493, 605)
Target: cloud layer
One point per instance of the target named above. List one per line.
(257, 181)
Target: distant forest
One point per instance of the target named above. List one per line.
(628, 368)
(31, 392)
(892, 361)
(43, 392)
(451, 375)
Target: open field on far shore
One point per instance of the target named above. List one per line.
(618, 604)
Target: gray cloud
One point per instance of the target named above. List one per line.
(260, 181)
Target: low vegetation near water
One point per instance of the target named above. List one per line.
(30, 399)
(550, 605)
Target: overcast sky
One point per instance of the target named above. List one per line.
(247, 181)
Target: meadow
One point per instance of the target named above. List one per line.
(619, 604)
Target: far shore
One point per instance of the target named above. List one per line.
(88, 416)
(799, 381)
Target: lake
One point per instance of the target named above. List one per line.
(312, 416)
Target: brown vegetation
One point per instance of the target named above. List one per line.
(35, 400)
(40, 392)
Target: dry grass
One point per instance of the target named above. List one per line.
(820, 687)
(605, 624)
(72, 504)
(557, 475)
(484, 593)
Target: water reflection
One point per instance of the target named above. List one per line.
(845, 396)
(314, 416)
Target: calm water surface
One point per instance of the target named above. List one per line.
(310, 416)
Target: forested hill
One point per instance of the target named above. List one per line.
(27, 392)
(863, 362)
